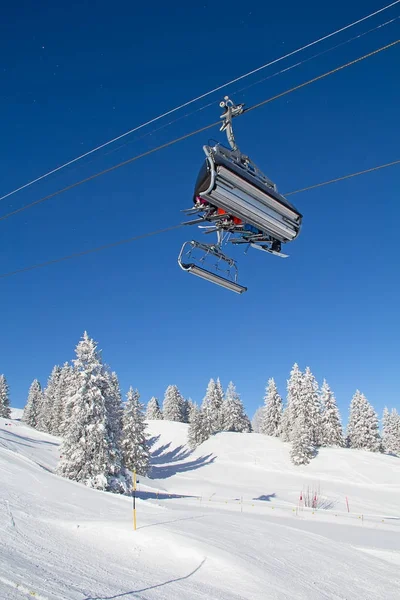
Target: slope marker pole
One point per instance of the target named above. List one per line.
(134, 499)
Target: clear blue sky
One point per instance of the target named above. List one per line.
(72, 77)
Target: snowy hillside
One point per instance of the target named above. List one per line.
(217, 523)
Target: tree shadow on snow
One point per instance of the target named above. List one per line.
(161, 496)
(153, 440)
(133, 593)
(164, 471)
(161, 457)
(266, 497)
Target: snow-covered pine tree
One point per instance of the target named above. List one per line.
(71, 384)
(192, 409)
(272, 413)
(391, 431)
(173, 404)
(301, 451)
(134, 445)
(5, 410)
(33, 403)
(60, 399)
(185, 410)
(114, 411)
(311, 406)
(332, 434)
(45, 421)
(88, 454)
(212, 407)
(363, 426)
(293, 401)
(114, 406)
(395, 425)
(257, 419)
(198, 428)
(234, 416)
(153, 411)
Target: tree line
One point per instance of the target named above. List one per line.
(311, 419)
(104, 438)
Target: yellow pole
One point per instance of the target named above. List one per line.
(134, 499)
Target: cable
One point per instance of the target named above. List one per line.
(301, 85)
(312, 187)
(91, 250)
(191, 134)
(306, 60)
(125, 162)
(165, 114)
(167, 229)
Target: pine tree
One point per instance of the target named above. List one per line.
(301, 451)
(257, 419)
(173, 404)
(363, 426)
(391, 431)
(71, 385)
(192, 410)
(272, 413)
(234, 416)
(135, 450)
(45, 421)
(114, 410)
(332, 434)
(198, 428)
(59, 399)
(153, 411)
(33, 403)
(185, 411)
(310, 406)
(212, 407)
(88, 454)
(5, 411)
(291, 412)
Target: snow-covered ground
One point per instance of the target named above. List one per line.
(222, 522)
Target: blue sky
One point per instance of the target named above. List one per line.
(72, 78)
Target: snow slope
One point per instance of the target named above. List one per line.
(62, 540)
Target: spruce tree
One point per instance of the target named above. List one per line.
(173, 405)
(293, 402)
(33, 403)
(272, 413)
(391, 431)
(192, 410)
(5, 410)
(46, 413)
(301, 451)
(198, 428)
(310, 406)
(234, 416)
(257, 419)
(88, 454)
(153, 411)
(134, 445)
(332, 434)
(363, 426)
(59, 400)
(212, 407)
(71, 385)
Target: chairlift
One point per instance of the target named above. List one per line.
(242, 205)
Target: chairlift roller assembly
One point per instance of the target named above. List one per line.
(243, 207)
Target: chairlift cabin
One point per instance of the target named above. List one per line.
(242, 206)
